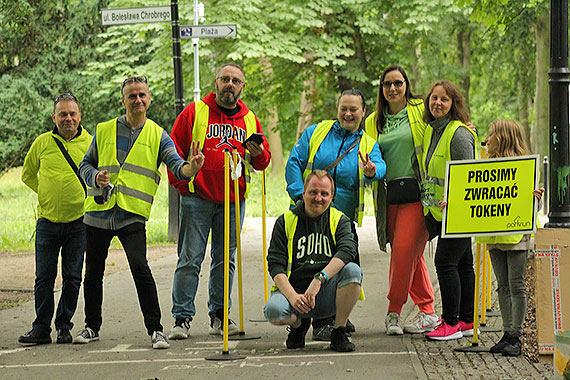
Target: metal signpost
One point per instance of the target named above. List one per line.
(169, 13)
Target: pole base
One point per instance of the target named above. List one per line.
(490, 329)
(243, 336)
(473, 348)
(492, 313)
(262, 319)
(225, 356)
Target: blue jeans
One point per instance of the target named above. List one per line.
(50, 238)
(197, 218)
(278, 307)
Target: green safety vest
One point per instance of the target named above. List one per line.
(200, 127)
(436, 166)
(136, 181)
(291, 220)
(364, 147)
(417, 125)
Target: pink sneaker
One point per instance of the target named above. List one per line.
(445, 332)
(467, 328)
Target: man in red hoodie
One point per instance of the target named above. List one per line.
(219, 121)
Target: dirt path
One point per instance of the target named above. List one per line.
(17, 272)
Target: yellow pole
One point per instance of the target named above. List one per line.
(264, 236)
(488, 257)
(483, 289)
(476, 299)
(238, 242)
(226, 245)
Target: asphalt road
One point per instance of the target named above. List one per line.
(124, 350)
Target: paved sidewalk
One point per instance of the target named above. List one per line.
(124, 349)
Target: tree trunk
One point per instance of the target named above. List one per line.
(523, 111)
(274, 140)
(464, 55)
(270, 129)
(306, 107)
(540, 130)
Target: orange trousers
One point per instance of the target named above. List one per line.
(408, 235)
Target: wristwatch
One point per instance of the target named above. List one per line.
(321, 277)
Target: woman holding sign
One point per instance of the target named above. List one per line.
(398, 127)
(447, 137)
(509, 253)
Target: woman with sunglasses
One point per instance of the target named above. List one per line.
(398, 127)
(351, 157)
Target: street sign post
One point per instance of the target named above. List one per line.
(208, 31)
(139, 15)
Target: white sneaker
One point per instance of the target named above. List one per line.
(424, 323)
(217, 327)
(159, 340)
(180, 329)
(393, 324)
(85, 336)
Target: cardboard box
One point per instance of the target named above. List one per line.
(552, 288)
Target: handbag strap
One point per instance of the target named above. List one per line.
(339, 159)
(71, 163)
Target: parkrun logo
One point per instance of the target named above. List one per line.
(518, 225)
(225, 132)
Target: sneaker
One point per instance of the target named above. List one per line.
(424, 323)
(180, 328)
(35, 337)
(498, 348)
(393, 324)
(467, 328)
(86, 336)
(340, 341)
(217, 327)
(322, 333)
(445, 332)
(513, 347)
(159, 340)
(296, 337)
(64, 336)
(350, 328)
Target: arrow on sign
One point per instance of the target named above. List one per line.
(208, 31)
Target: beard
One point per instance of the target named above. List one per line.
(227, 98)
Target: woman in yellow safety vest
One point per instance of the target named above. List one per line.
(446, 138)
(398, 127)
(509, 253)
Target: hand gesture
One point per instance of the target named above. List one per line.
(538, 193)
(254, 148)
(442, 205)
(102, 178)
(196, 160)
(300, 303)
(367, 166)
(312, 291)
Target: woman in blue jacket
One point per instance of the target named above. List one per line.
(352, 158)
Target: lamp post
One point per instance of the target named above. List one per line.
(559, 214)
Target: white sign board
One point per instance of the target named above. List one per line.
(208, 31)
(118, 16)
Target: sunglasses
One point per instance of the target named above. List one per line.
(397, 83)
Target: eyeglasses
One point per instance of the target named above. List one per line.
(235, 81)
(65, 96)
(138, 79)
(396, 83)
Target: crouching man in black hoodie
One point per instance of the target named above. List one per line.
(311, 259)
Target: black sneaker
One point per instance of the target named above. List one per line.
(296, 337)
(35, 337)
(64, 336)
(498, 348)
(340, 342)
(350, 328)
(513, 347)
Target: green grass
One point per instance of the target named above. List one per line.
(18, 205)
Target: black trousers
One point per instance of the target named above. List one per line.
(454, 267)
(133, 239)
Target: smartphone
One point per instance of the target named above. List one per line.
(255, 137)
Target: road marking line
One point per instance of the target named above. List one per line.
(120, 348)
(5, 352)
(173, 360)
